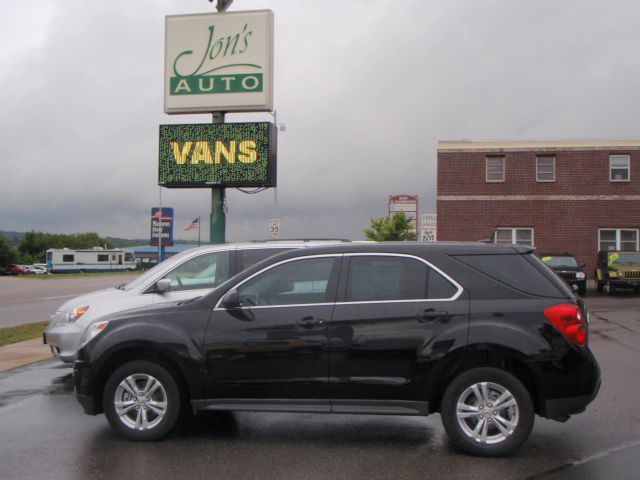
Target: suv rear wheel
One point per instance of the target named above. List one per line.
(487, 412)
(141, 401)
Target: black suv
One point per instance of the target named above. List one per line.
(484, 334)
(567, 268)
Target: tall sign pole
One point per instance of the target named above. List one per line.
(218, 63)
(217, 218)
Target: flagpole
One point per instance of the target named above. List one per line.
(198, 231)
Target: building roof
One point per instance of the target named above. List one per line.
(529, 145)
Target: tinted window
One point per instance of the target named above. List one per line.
(386, 278)
(379, 278)
(67, 258)
(254, 255)
(293, 283)
(514, 271)
(440, 287)
(204, 271)
(103, 258)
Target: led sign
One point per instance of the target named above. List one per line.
(224, 154)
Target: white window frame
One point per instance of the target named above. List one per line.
(486, 168)
(618, 236)
(628, 168)
(540, 157)
(514, 231)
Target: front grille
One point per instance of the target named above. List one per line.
(567, 275)
(631, 274)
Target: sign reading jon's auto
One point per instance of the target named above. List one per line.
(161, 226)
(219, 62)
(225, 154)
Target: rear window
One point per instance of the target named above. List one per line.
(514, 271)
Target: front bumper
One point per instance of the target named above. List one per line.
(64, 341)
(625, 283)
(83, 388)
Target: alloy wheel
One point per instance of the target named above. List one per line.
(487, 413)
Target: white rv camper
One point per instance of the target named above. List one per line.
(97, 259)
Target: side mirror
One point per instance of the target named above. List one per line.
(582, 265)
(230, 300)
(163, 285)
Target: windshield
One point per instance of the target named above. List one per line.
(560, 261)
(152, 272)
(624, 257)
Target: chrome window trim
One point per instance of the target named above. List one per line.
(282, 262)
(458, 287)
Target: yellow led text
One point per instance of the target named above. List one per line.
(194, 152)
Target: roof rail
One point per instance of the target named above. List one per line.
(270, 240)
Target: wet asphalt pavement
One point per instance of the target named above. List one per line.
(45, 435)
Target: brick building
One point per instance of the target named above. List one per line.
(559, 196)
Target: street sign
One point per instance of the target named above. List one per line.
(161, 226)
(274, 228)
(407, 204)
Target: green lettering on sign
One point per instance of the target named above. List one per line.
(204, 84)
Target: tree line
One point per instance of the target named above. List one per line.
(33, 246)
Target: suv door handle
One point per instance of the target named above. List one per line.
(308, 322)
(430, 315)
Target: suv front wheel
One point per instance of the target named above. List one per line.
(141, 401)
(487, 412)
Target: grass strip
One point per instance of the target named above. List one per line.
(19, 333)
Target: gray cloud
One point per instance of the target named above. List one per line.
(366, 89)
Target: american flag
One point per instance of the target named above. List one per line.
(192, 225)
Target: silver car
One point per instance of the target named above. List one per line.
(186, 275)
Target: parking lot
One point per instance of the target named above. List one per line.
(47, 435)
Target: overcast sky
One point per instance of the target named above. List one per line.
(366, 89)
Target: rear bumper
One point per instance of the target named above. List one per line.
(562, 408)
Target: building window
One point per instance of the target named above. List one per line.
(495, 169)
(619, 169)
(546, 168)
(622, 239)
(520, 236)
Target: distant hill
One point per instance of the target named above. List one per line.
(127, 242)
(15, 237)
(117, 242)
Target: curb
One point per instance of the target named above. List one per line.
(23, 353)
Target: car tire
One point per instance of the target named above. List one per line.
(609, 289)
(475, 424)
(599, 285)
(154, 410)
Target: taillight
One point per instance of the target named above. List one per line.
(570, 320)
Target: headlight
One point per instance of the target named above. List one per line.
(580, 276)
(620, 273)
(62, 317)
(93, 330)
